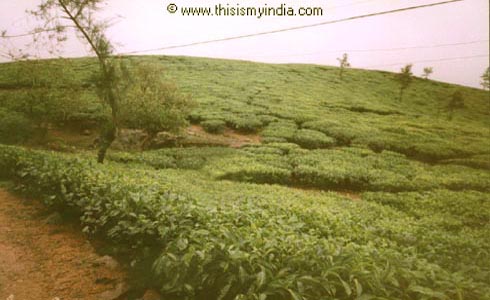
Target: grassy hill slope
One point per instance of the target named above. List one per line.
(277, 100)
(352, 194)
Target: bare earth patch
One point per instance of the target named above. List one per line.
(41, 261)
(230, 137)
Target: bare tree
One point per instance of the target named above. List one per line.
(344, 64)
(56, 17)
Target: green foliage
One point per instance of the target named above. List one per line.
(427, 72)
(312, 139)
(214, 126)
(404, 78)
(485, 83)
(456, 102)
(189, 158)
(343, 64)
(360, 111)
(426, 140)
(346, 169)
(14, 127)
(282, 130)
(39, 97)
(457, 225)
(245, 124)
(252, 242)
(475, 161)
(287, 131)
(420, 230)
(151, 103)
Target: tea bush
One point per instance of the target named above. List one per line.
(14, 127)
(248, 248)
(312, 139)
(214, 126)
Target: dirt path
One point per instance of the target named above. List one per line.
(41, 261)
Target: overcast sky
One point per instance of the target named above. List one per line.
(375, 42)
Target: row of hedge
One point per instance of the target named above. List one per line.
(348, 169)
(239, 250)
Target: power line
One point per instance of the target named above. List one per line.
(350, 4)
(378, 50)
(292, 28)
(419, 47)
(430, 60)
(38, 31)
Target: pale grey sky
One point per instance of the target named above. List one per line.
(375, 42)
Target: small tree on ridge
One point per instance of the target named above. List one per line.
(344, 64)
(404, 78)
(427, 72)
(485, 83)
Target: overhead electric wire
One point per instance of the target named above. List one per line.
(38, 31)
(376, 50)
(291, 28)
(429, 60)
(350, 4)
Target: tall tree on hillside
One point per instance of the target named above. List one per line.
(80, 15)
(427, 72)
(485, 83)
(112, 80)
(404, 78)
(343, 64)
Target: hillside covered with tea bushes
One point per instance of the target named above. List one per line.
(347, 192)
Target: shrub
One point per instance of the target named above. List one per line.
(286, 148)
(267, 119)
(214, 126)
(195, 117)
(271, 139)
(14, 127)
(343, 134)
(283, 130)
(312, 139)
(259, 173)
(153, 104)
(247, 124)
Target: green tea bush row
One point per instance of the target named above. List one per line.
(457, 226)
(173, 158)
(14, 127)
(245, 124)
(427, 144)
(287, 131)
(238, 250)
(477, 161)
(355, 169)
(312, 139)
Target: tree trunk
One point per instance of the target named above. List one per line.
(108, 135)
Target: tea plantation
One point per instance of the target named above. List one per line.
(351, 194)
